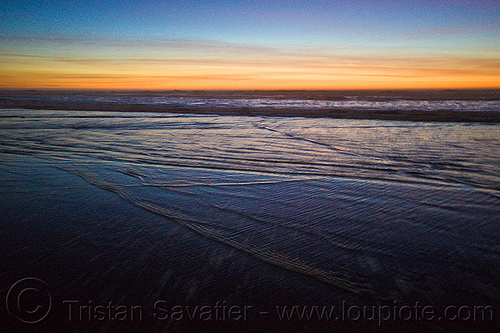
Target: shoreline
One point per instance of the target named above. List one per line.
(476, 94)
(393, 115)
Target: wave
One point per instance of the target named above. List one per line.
(450, 108)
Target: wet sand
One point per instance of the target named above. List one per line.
(93, 249)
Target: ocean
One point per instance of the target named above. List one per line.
(162, 211)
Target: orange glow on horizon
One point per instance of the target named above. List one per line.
(292, 74)
(42, 81)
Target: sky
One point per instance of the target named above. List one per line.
(249, 44)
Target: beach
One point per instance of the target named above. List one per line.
(223, 212)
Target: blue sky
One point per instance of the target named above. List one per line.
(294, 32)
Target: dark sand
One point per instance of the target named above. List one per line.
(91, 248)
